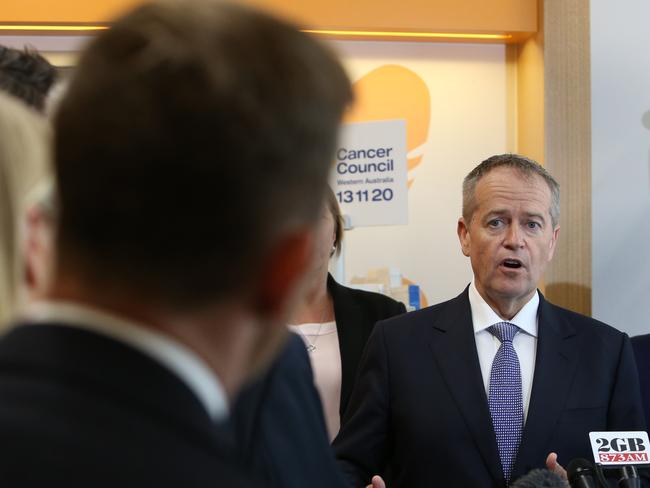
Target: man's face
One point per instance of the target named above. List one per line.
(510, 238)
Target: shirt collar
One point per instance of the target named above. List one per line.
(175, 356)
(483, 316)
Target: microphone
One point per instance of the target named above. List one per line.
(629, 477)
(540, 478)
(621, 450)
(581, 474)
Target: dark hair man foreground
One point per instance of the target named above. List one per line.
(191, 158)
(479, 390)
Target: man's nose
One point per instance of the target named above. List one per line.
(514, 237)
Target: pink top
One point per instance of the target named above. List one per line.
(322, 342)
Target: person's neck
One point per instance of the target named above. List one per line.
(506, 308)
(216, 333)
(317, 306)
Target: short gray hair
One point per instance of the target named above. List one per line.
(527, 167)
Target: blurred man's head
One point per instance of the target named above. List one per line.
(192, 152)
(27, 75)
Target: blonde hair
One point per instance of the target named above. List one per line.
(24, 163)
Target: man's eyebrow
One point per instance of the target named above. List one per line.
(502, 211)
(537, 215)
(497, 211)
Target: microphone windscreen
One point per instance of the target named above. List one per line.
(540, 478)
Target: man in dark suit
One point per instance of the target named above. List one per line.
(478, 390)
(641, 346)
(188, 134)
(278, 426)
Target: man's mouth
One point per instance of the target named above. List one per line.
(512, 263)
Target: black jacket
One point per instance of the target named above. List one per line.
(356, 312)
(641, 346)
(279, 428)
(79, 409)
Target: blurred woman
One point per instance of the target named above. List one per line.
(335, 321)
(24, 165)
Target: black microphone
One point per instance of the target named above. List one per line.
(629, 477)
(540, 478)
(581, 474)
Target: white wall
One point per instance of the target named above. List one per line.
(46, 43)
(59, 50)
(467, 88)
(620, 71)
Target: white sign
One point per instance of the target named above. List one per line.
(370, 173)
(619, 448)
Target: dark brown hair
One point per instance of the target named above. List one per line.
(188, 133)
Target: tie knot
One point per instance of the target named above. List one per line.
(504, 331)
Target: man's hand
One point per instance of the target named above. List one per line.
(553, 465)
(378, 482)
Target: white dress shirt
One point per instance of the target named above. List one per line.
(525, 341)
(163, 349)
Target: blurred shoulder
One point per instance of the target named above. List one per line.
(641, 342)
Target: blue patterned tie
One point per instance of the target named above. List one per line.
(505, 400)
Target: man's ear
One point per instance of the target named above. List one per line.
(36, 251)
(463, 236)
(282, 277)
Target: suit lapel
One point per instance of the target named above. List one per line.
(454, 350)
(555, 367)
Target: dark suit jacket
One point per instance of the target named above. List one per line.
(278, 425)
(78, 409)
(641, 345)
(356, 312)
(278, 421)
(419, 412)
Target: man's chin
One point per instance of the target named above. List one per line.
(513, 292)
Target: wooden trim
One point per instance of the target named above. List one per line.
(515, 18)
(63, 11)
(568, 147)
(414, 15)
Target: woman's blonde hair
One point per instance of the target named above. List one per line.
(24, 163)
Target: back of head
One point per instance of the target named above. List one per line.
(24, 154)
(192, 135)
(27, 75)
